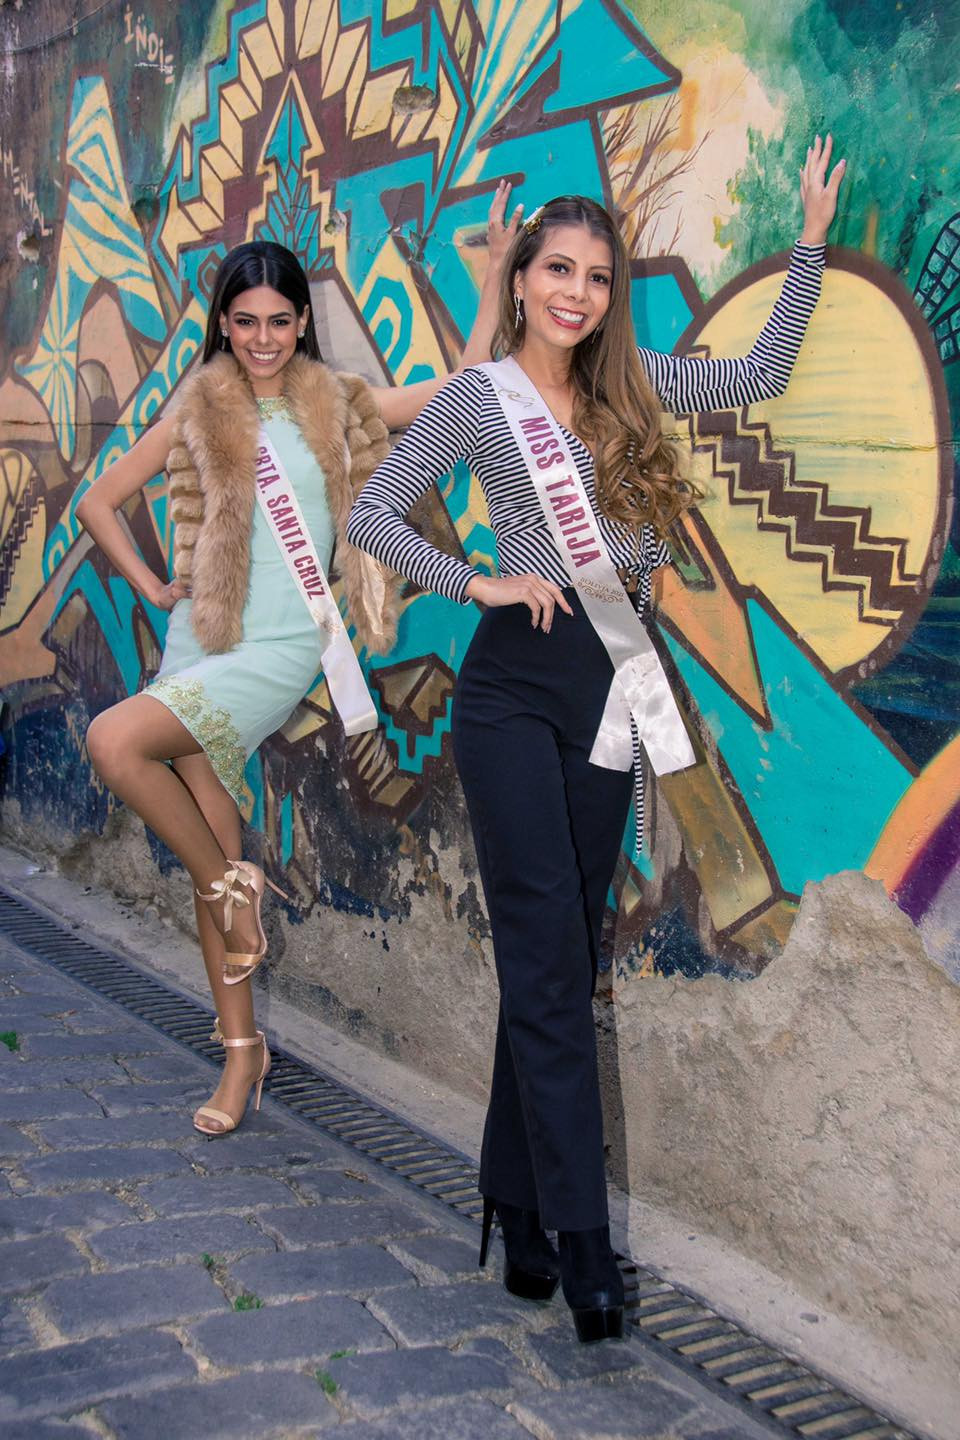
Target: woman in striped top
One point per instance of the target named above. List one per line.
(531, 692)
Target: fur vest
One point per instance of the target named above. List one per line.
(212, 485)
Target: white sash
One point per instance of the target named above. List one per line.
(639, 688)
(341, 669)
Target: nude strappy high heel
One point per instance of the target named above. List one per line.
(239, 967)
(221, 1116)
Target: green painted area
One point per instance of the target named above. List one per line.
(868, 74)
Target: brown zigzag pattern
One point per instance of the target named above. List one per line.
(13, 540)
(761, 476)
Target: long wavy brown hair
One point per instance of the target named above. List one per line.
(615, 408)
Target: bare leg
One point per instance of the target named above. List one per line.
(129, 746)
(234, 1002)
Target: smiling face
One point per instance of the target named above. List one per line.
(565, 289)
(263, 329)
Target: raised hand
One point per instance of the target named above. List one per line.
(818, 193)
(501, 232)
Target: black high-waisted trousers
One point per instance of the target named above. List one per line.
(547, 826)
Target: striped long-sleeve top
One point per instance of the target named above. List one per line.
(465, 422)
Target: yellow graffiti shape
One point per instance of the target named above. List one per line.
(261, 58)
(829, 499)
(23, 533)
(97, 243)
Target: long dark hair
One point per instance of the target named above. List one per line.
(615, 409)
(259, 262)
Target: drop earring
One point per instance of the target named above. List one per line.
(516, 311)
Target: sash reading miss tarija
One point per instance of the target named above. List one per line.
(639, 687)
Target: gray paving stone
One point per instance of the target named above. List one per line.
(181, 1067)
(28, 1264)
(473, 1420)
(342, 1270)
(13, 1143)
(441, 1314)
(132, 1097)
(333, 1184)
(28, 1011)
(368, 1385)
(332, 1224)
(207, 1194)
(152, 1242)
(102, 1167)
(109, 1304)
(69, 1377)
(40, 985)
(106, 1020)
(305, 1332)
(43, 1074)
(281, 1150)
(16, 1332)
(26, 1215)
(627, 1410)
(742, 1430)
(26, 1106)
(89, 1133)
(492, 1349)
(26, 1026)
(13, 962)
(563, 1358)
(68, 1047)
(437, 1259)
(267, 1406)
(45, 1430)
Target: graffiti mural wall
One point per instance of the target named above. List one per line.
(812, 620)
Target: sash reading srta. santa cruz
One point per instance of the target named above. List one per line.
(280, 508)
(639, 687)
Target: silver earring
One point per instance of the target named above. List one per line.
(516, 316)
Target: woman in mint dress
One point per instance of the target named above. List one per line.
(242, 648)
(232, 701)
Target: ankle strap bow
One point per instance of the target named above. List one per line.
(229, 892)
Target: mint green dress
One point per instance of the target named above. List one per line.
(231, 702)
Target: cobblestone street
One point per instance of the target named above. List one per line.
(271, 1283)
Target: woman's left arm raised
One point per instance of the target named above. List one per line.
(400, 404)
(685, 383)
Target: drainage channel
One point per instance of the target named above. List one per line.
(766, 1384)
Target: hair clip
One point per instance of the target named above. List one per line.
(533, 222)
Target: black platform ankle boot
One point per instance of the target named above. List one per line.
(592, 1283)
(532, 1269)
